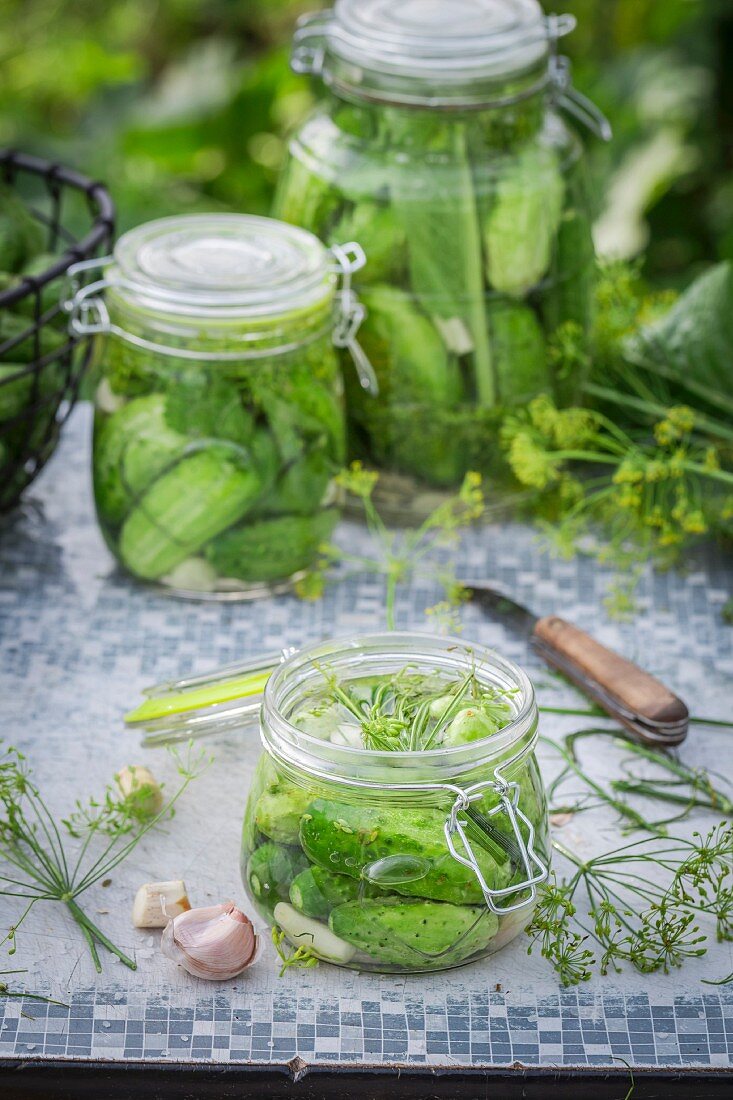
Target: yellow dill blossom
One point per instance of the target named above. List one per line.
(543, 414)
(574, 428)
(695, 523)
(532, 464)
(357, 480)
(629, 472)
(680, 422)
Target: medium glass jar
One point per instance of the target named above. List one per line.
(219, 421)
(396, 861)
(441, 143)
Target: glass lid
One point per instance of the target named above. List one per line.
(443, 46)
(223, 265)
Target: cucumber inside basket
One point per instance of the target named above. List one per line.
(50, 218)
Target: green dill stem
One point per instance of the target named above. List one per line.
(656, 409)
(92, 947)
(90, 929)
(345, 699)
(613, 460)
(700, 782)
(717, 398)
(57, 849)
(723, 981)
(571, 856)
(18, 859)
(649, 790)
(596, 712)
(621, 807)
(712, 722)
(14, 854)
(99, 868)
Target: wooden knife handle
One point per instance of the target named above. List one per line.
(592, 665)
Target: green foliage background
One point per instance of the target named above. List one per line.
(184, 105)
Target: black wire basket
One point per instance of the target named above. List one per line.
(41, 364)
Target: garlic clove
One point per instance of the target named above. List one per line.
(158, 902)
(216, 942)
(140, 780)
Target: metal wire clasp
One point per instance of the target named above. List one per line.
(88, 314)
(351, 258)
(536, 870)
(309, 40)
(561, 82)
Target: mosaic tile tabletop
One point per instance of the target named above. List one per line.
(77, 643)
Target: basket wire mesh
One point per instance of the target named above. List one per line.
(77, 217)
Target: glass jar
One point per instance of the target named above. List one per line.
(219, 421)
(441, 144)
(389, 861)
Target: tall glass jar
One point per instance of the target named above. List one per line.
(440, 142)
(394, 861)
(219, 420)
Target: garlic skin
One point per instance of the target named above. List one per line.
(217, 942)
(158, 902)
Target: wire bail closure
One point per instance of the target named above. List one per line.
(309, 43)
(582, 109)
(88, 315)
(351, 258)
(536, 871)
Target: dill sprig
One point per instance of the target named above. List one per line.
(629, 918)
(291, 957)
(407, 712)
(690, 788)
(650, 469)
(36, 862)
(401, 555)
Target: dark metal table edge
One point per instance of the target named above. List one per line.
(95, 1079)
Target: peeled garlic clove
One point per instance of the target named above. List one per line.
(216, 942)
(158, 902)
(140, 780)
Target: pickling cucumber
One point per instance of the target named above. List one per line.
(315, 891)
(270, 871)
(190, 504)
(414, 933)
(348, 839)
(279, 810)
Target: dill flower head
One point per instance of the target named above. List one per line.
(532, 463)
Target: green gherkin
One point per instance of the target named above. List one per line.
(520, 353)
(414, 933)
(376, 228)
(348, 838)
(302, 487)
(406, 350)
(181, 512)
(22, 237)
(315, 891)
(131, 449)
(522, 222)
(270, 871)
(279, 810)
(419, 381)
(20, 329)
(275, 549)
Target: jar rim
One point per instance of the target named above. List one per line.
(304, 752)
(428, 53)
(198, 269)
